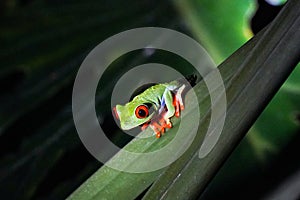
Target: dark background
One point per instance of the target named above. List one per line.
(42, 46)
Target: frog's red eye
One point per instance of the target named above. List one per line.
(141, 111)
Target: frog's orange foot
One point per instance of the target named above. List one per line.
(158, 129)
(159, 126)
(178, 104)
(165, 122)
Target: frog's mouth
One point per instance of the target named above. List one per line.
(127, 125)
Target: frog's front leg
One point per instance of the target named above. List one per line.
(166, 111)
(170, 105)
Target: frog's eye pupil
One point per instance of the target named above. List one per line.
(141, 111)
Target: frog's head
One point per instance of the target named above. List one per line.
(132, 114)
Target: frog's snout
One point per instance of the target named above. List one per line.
(115, 112)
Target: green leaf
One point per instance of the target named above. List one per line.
(221, 26)
(243, 72)
(258, 76)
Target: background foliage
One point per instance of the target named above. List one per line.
(42, 46)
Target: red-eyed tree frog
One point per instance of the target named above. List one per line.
(154, 106)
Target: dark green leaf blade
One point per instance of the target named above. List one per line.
(258, 75)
